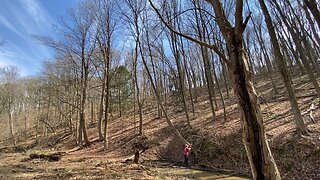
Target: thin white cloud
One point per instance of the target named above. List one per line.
(14, 47)
(8, 25)
(23, 18)
(14, 55)
(37, 13)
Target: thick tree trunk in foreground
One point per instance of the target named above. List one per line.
(261, 160)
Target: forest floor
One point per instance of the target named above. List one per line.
(217, 153)
(72, 166)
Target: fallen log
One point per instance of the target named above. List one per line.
(51, 144)
(134, 158)
(56, 156)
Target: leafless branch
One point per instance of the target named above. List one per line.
(210, 46)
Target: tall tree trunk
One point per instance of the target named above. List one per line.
(201, 29)
(101, 108)
(137, 45)
(208, 75)
(181, 84)
(138, 88)
(266, 56)
(106, 109)
(83, 137)
(175, 131)
(288, 45)
(261, 160)
(107, 59)
(186, 72)
(301, 127)
(312, 6)
(194, 81)
(11, 124)
(225, 77)
(220, 92)
(92, 112)
(303, 56)
(155, 73)
(311, 22)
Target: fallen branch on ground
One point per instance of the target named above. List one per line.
(310, 112)
(56, 156)
(59, 140)
(134, 158)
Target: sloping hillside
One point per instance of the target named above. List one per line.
(217, 145)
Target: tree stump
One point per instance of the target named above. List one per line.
(136, 157)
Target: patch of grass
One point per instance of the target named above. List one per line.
(114, 175)
(274, 116)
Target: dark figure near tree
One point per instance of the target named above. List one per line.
(186, 152)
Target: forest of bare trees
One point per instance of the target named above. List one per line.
(118, 57)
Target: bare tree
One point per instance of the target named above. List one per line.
(301, 127)
(135, 18)
(261, 160)
(77, 44)
(313, 7)
(105, 14)
(9, 76)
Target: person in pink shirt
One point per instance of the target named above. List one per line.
(186, 152)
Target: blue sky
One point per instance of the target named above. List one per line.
(19, 21)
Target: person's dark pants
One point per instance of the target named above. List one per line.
(186, 160)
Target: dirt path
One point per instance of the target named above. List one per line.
(19, 166)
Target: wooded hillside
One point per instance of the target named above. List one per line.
(239, 80)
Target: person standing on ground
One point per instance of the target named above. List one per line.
(186, 152)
